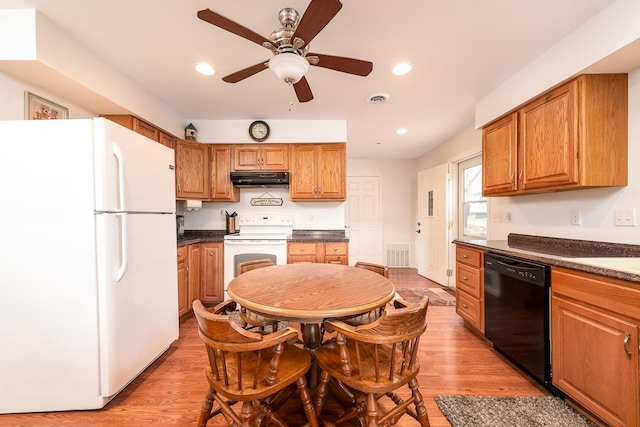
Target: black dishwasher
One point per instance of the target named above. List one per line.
(517, 304)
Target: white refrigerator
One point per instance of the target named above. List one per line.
(88, 281)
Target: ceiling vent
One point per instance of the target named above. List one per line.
(378, 98)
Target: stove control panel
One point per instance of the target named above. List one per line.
(276, 220)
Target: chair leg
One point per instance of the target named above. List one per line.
(321, 392)
(372, 410)
(206, 408)
(421, 410)
(305, 398)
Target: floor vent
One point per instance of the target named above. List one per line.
(397, 255)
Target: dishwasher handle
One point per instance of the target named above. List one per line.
(522, 270)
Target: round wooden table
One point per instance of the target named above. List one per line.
(310, 293)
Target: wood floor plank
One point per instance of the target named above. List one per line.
(170, 392)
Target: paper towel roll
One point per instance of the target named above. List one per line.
(193, 205)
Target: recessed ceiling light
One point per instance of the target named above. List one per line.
(401, 131)
(205, 69)
(401, 68)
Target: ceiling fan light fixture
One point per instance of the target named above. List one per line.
(289, 67)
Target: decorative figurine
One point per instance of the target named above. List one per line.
(190, 132)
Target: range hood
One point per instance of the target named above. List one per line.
(260, 179)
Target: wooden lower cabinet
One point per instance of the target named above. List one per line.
(183, 280)
(336, 253)
(470, 286)
(595, 332)
(325, 252)
(211, 280)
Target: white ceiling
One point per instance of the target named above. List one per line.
(460, 50)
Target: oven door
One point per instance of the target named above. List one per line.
(238, 250)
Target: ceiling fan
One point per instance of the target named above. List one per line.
(290, 46)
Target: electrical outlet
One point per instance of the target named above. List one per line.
(496, 217)
(576, 218)
(625, 218)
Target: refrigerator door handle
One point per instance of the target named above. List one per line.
(117, 152)
(124, 260)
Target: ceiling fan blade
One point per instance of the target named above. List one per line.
(244, 73)
(233, 27)
(345, 65)
(303, 91)
(318, 14)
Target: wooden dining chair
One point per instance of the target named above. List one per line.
(376, 268)
(372, 315)
(247, 317)
(374, 361)
(258, 370)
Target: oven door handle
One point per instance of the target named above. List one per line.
(255, 242)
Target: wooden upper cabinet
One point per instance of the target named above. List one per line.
(500, 155)
(250, 157)
(221, 188)
(143, 128)
(573, 136)
(192, 170)
(317, 172)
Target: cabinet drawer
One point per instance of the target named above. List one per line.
(606, 293)
(183, 252)
(468, 279)
(302, 248)
(469, 256)
(337, 248)
(469, 309)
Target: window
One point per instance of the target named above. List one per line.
(472, 205)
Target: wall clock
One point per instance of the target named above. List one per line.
(259, 131)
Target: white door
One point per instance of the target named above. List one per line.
(433, 217)
(362, 220)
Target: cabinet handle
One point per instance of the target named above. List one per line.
(210, 253)
(335, 249)
(465, 306)
(627, 337)
(179, 253)
(513, 176)
(465, 256)
(520, 176)
(301, 249)
(465, 278)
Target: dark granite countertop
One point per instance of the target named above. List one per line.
(563, 252)
(313, 236)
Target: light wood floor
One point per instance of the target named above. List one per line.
(170, 392)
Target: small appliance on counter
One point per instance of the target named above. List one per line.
(180, 225)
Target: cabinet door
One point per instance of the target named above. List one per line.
(246, 157)
(211, 281)
(183, 281)
(548, 139)
(303, 169)
(275, 157)
(595, 361)
(167, 140)
(221, 187)
(331, 171)
(192, 170)
(194, 274)
(500, 156)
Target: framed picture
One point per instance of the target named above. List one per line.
(38, 108)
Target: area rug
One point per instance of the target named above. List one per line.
(509, 411)
(436, 296)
